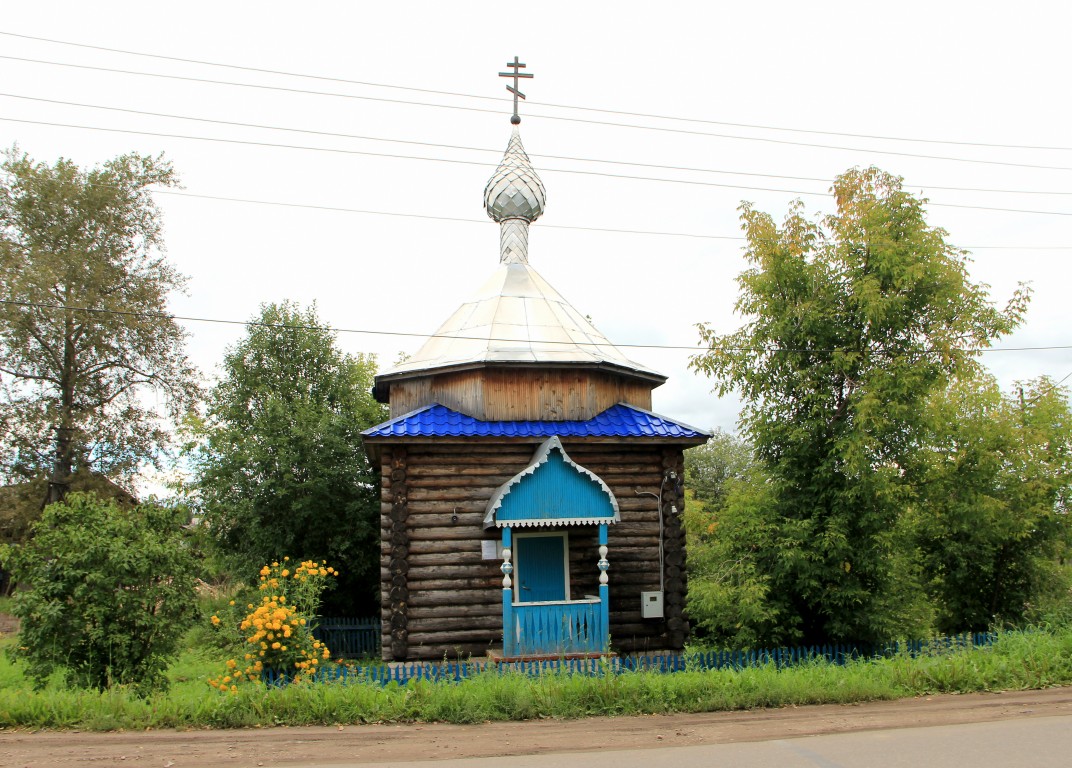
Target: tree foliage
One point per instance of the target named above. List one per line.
(282, 471)
(83, 324)
(711, 467)
(854, 321)
(991, 516)
(111, 591)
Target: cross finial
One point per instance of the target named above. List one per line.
(517, 66)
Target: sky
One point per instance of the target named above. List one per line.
(360, 137)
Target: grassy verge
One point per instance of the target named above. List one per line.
(1018, 660)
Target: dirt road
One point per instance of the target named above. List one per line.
(387, 743)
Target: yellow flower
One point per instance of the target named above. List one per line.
(216, 621)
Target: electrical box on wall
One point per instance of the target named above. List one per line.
(651, 605)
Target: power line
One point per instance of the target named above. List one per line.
(545, 225)
(629, 177)
(535, 103)
(570, 158)
(537, 116)
(337, 209)
(368, 332)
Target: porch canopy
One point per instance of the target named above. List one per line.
(553, 490)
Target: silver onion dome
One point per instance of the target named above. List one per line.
(515, 191)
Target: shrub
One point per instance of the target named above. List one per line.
(277, 634)
(111, 590)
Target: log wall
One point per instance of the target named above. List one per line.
(508, 394)
(440, 598)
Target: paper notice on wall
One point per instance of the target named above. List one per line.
(487, 549)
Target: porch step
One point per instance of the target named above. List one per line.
(495, 656)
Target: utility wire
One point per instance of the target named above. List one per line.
(337, 209)
(486, 165)
(538, 116)
(364, 331)
(533, 103)
(545, 225)
(334, 134)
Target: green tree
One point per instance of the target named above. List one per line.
(282, 471)
(710, 467)
(853, 322)
(111, 591)
(991, 517)
(83, 324)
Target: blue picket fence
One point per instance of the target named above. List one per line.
(350, 638)
(402, 673)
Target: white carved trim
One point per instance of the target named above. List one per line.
(539, 458)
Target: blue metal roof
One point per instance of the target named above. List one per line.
(619, 420)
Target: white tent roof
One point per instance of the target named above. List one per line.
(517, 317)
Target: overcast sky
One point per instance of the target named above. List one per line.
(919, 85)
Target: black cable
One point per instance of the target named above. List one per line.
(569, 158)
(694, 348)
(535, 103)
(486, 165)
(537, 116)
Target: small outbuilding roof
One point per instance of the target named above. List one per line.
(619, 420)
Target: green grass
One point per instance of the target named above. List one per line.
(1018, 660)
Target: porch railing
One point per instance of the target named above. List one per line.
(557, 628)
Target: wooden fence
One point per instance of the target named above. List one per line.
(350, 638)
(402, 673)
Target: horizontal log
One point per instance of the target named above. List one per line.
(463, 651)
(491, 483)
(450, 494)
(472, 520)
(443, 624)
(432, 580)
(422, 598)
(459, 557)
(453, 533)
(456, 611)
(462, 454)
(635, 628)
(426, 506)
(437, 547)
(455, 636)
(447, 471)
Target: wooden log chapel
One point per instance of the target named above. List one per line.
(532, 503)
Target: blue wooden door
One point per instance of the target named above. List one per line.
(541, 569)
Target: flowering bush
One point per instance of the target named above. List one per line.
(277, 633)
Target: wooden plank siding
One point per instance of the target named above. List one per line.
(512, 394)
(440, 598)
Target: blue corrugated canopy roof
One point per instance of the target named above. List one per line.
(619, 420)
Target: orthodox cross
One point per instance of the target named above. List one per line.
(517, 66)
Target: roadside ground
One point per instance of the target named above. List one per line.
(395, 743)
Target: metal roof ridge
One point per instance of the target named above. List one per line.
(397, 419)
(697, 430)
